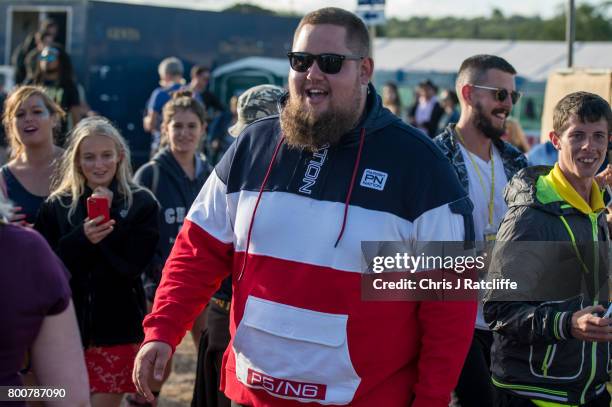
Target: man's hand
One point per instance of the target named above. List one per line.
(589, 327)
(149, 121)
(146, 124)
(149, 366)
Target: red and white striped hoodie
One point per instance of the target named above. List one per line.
(287, 224)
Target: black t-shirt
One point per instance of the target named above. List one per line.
(67, 96)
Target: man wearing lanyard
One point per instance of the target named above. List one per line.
(484, 164)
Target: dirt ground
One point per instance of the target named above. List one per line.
(177, 391)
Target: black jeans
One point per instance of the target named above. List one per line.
(475, 388)
(213, 343)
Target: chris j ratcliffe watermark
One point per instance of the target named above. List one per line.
(431, 284)
(437, 271)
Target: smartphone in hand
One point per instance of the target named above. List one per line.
(98, 206)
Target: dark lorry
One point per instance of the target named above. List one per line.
(116, 48)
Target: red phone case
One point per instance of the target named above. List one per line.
(97, 206)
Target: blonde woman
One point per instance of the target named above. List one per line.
(31, 119)
(105, 259)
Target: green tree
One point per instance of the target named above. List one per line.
(592, 24)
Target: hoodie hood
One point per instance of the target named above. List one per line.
(529, 188)
(374, 118)
(166, 160)
(173, 178)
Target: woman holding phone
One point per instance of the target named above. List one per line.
(31, 120)
(105, 258)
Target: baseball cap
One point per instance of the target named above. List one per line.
(255, 103)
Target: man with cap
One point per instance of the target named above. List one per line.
(285, 213)
(255, 103)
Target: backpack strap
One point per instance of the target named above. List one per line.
(155, 180)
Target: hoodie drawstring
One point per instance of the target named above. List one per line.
(350, 191)
(263, 184)
(346, 203)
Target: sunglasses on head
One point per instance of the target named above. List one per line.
(501, 94)
(48, 57)
(328, 63)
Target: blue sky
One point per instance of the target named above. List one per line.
(407, 8)
(394, 8)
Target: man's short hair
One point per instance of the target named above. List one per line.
(357, 36)
(197, 70)
(588, 107)
(171, 66)
(474, 68)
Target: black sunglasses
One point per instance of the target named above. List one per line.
(501, 94)
(328, 63)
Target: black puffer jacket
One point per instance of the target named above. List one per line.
(105, 277)
(534, 354)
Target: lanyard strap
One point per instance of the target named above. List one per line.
(480, 179)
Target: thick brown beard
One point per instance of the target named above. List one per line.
(303, 130)
(485, 125)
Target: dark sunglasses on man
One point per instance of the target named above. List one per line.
(328, 63)
(500, 93)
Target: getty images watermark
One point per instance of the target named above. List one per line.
(427, 271)
(464, 271)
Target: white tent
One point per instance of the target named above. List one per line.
(533, 60)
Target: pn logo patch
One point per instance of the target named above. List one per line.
(374, 179)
